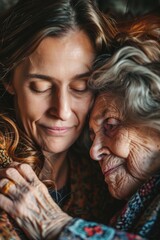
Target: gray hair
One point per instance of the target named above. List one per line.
(132, 74)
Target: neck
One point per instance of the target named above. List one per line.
(55, 168)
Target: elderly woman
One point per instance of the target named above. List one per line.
(125, 133)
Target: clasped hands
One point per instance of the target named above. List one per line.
(27, 200)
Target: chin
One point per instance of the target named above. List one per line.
(122, 185)
(118, 194)
(123, 193)
(56, 147)
(117, 190)
(54, 150)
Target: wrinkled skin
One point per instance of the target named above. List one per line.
(127, 155)
(29, 203)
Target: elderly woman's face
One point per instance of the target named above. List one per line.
(127, 155)
(51, 93)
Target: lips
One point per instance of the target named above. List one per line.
(111, 170)
(56, 130)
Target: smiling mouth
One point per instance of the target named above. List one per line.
(56, 130)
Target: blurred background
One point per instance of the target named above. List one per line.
(117, 8)
(5, 4)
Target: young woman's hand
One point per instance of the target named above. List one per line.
(27, 200)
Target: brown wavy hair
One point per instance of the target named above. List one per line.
(22, 28)
(18, 146)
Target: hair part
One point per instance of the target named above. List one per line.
(30, 21)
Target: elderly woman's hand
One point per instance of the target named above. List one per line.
(26, 199)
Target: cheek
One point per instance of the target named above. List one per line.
(121, 145)
(29, 107)
(143, 163)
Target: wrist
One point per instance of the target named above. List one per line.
(54, 228)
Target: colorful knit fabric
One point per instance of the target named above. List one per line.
(138, 219)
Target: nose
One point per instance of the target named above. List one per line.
(98, 150)
(61, 105)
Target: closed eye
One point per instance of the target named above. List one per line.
(110, 125)
(40, 91)
(79, 86)
(40, 87)
(80, 90)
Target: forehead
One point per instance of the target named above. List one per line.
(68, 55)
(106, 105)
(77, 40)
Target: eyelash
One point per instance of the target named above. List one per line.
(112, 127)
(76, 91)
(38, 91)
(80, 91)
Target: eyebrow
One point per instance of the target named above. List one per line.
(97, 117)
(40, 76)
(48, 78)
(82, 75)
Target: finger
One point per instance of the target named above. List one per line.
(17, 190)
(6, 185)
(9, 188)
(14, 175)
(20, 173)
(4, 169)
(28, 173)
(6, 204)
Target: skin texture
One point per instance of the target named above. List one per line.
(127, 155)
(51, 102)
(30, 204)
(50, 87)
(52, 98)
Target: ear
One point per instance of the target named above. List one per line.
(9, 88)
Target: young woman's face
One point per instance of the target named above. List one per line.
(50, 88)
(127, 155)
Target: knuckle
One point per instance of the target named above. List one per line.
(10, 171)
(24, 167)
